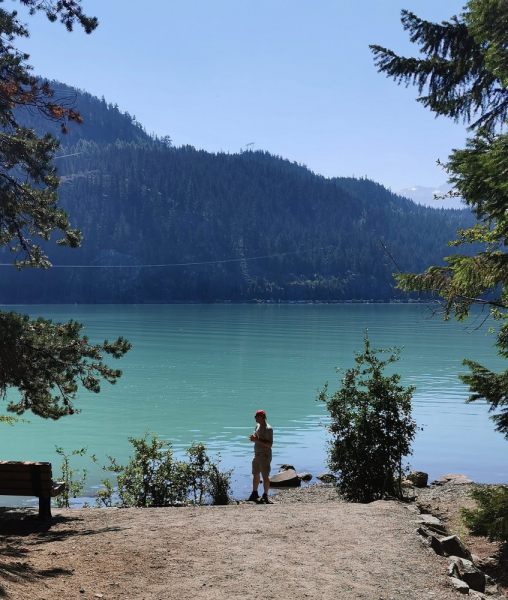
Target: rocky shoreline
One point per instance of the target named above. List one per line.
(477, 566)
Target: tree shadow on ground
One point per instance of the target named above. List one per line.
(20, 532)
(22, 572)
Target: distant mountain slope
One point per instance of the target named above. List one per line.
(225, 226)
(104, 123)
(427, 196)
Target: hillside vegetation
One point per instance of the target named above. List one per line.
(265, 228)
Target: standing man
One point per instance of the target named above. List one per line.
(263, 441)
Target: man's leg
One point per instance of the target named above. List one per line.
(255, 480)
(266, 479)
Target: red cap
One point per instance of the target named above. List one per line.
(261, 413)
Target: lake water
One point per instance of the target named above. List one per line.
(199, 372)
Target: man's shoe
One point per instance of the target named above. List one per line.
(264, 499)
(253, 497)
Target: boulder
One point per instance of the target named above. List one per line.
(475, 580)
(453, 570)
(305, 476)
(459, 585)
(453, 546)
(469, 573)
(286, 468)
(452, 479)
(435, 544)
(287, 478)
(326, 478)
(432, 523)
(418, 478)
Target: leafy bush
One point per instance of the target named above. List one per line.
(490, 517)
(73, 487)
(220, 484)
(154, 478)
(198, 468)
(372, 428)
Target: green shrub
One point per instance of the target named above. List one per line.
(154, 478)
(198, 468)
(371, 427)
(73, 486)
(220, 484)
(490, 517)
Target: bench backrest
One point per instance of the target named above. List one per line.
(25, 479)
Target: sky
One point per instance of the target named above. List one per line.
(291, 77)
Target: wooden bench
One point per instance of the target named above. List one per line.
(30, 479)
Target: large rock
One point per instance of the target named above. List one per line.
(305, 476)
(459, 585)
(326, 478)
(432, 523)
(287, 478)
(474, 579)
(453, 546)
(286, 468)
(469, 573)
(418, 478)
(452, 479)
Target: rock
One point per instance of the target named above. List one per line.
(435, 544)
(418, 478)
(459, 585)
(484, 562)
(326, 478)
(287, 478)
(474, 579)
(453, 570)
(463, 563)
(305, 476)
(453, 546)
(452, 479)
(432, 523)
(286, 468)
(492, 589)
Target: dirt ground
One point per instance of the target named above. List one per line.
(307, 544)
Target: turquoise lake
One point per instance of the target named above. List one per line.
(199, 372)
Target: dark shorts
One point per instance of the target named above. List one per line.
(261, 464)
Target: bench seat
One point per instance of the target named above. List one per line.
(30, 479)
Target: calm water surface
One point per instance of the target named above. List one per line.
(199, 372)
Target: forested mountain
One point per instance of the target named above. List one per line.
(261, 226)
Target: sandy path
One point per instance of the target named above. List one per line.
(284, 551)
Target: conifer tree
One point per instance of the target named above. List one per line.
(464, 75)
(44, 361)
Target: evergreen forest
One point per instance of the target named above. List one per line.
(163, 224)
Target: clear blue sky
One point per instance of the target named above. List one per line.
(295, 77)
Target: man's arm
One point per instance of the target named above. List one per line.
(263, 443)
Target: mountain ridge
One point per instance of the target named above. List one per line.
(139, 201)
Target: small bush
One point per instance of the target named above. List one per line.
(154, 478)
(220, 484)
(490, 517)
(73, 486)
(371, 428)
